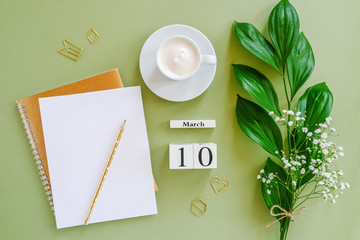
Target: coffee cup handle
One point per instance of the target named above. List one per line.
(208, 59)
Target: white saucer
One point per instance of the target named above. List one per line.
(176, 91)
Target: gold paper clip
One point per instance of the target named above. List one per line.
(198, 209)
(92, 41)
(70, 50)
(216, 182)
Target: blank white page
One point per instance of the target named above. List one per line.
(79, 132)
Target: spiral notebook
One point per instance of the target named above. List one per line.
(30, 114)
(79, 133)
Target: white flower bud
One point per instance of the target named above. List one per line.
(290, 112)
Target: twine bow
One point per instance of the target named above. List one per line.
(284, 214)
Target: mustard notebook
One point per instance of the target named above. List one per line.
(30, 114)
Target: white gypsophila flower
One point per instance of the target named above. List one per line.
(325, 151)
(328, 120)
(284, 111)
(297, 118)
(341, 154)
(294, 183)
(258, 176)
(316, 141)
(303, 161)
(271, 176)
(290, 123)
(323, 125)
(276, 152)
(332, 129)
(290, 112)
(268, 181)
(305, 130)
(309, 134)
(302, 171)
(282, 119)
(271, 113)
(298, 114)
(268, 191)
(311, 167)
(340, 148)
(318, 130)
(262, 171)
(263, 180)
(324, 135)
(287, 165)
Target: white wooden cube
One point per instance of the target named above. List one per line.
(181, 156)
(205, 155)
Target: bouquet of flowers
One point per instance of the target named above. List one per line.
(303, 164)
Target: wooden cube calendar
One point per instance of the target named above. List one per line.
(181, 156)
(193, 156)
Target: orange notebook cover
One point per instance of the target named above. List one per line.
(30, 114)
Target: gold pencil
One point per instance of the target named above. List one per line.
(106, 170)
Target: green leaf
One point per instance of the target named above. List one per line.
(283, 28)
(300, 64)
(258, 86)
(259, 126)
(279, 194)
(253, 41)
(315, 105)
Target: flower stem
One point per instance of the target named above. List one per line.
(284, 228)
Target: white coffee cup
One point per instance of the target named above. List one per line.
(179, 58)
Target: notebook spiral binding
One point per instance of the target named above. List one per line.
(44, 177)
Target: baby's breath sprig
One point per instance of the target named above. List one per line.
(317, 160)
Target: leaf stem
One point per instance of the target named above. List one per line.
(286, 92)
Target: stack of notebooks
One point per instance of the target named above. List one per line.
(72, 131)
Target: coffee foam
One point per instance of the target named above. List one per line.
(179, 57)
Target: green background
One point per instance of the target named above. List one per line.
(32, 31)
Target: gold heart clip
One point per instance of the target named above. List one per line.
(219, 181)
